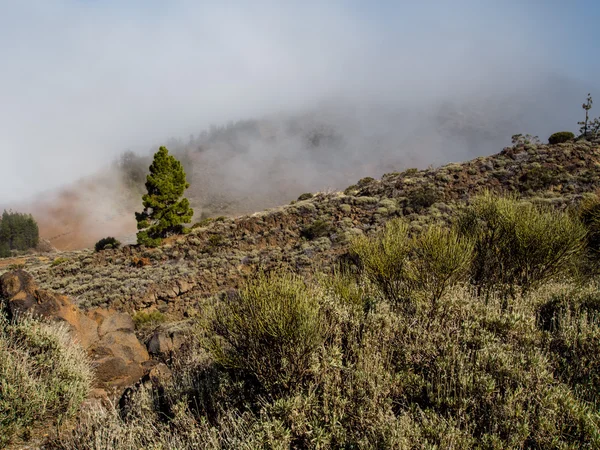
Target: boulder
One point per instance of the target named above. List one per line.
(118, 357)
(165, 341)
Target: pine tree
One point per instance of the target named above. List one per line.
(165, 211)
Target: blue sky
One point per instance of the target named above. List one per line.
(83, 79)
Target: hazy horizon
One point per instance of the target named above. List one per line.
(84, 80)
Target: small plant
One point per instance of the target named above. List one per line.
(216, 240)
(143, 318)
(318, 228)
(58, 261)
(424, 197)
(107, 243)
(203, 223)
(411, 172)
(351, 190)
(384, 260)
(43, 375)
(528, 139)
(305, 196)
(561, 137)
(269, 330)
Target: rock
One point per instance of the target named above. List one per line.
(164, 342)
(115, 321)
(118, 356)
(124, 345)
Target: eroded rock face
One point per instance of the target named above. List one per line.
(119, 358)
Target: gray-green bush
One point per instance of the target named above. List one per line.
(269, 329)
(519, 245)
(44, 376)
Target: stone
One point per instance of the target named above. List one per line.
(120, 360)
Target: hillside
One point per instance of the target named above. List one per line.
(247, 333)
(218, 254)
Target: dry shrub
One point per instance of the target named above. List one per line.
(44, 376)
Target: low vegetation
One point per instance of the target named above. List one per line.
(561, 137)
(107, 243)
(44, 377)
(470, 334)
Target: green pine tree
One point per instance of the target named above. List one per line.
(165, 211)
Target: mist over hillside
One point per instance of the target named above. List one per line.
(318, 95)
(248, 165)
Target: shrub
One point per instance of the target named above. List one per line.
(424, 197)
(351, 190)
(441, 258)
(305, 196)
(571, 322)
(560, 137)
(405, 267)
(58, 261)
(142, 318)
(216, 240)
(518, 244)
(269, 330)
(383, 259)
(203, 223)
(364, 181)
(589, 214)
(318, 228)
(106, 243)
(43, 376)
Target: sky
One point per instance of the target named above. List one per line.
(83, 80)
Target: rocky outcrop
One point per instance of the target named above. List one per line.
(119, 358)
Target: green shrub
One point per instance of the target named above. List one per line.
(384, 260)
(424, 197)
(351, 190)
(364, 181)
(269, 330)
(560, 137)
(43, 376)
(107, 243)
(518, 244)
(203, 223)
(305, 196)
(143, 318)
(441, 258)
(58, 261)
(405, 267)
(216, 240)
(317, 229)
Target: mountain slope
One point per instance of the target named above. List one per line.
(218, 254)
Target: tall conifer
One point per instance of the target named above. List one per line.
(165, 211)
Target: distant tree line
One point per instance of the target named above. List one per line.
(18, 231)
